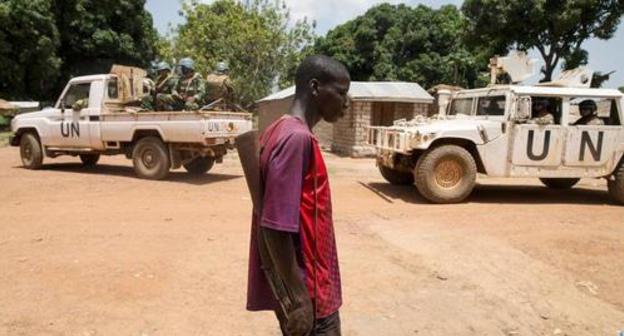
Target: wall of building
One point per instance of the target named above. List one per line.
(348, 135)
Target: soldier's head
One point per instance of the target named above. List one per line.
(222, 68)
(187, 66)
(541, 105)
(323, 83)
(163, 69)
(587, 107)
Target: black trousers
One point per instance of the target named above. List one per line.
(327, 326)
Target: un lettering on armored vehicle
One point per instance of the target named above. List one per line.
(94, 116)
(491, 131)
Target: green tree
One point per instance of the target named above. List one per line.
(29, 41)
(96, 34)
(556, 28)
(621, 88)
(45, 42)
(398, 42)
(256, 40)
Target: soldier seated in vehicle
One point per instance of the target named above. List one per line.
(219, 85)
(190, 89)
(161, 97)
(541, 113)
(589, 114)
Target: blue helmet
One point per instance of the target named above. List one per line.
(162, 66)
(222, 67)
(187, 63)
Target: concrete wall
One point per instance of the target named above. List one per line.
(348, 135)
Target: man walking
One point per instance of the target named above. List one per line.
(293, 266)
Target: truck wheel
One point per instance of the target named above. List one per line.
(89, 160)
(560, 183)
(616, 185)
(396, 177)
(446, 174)
(151, 159)
(31, 151)
(199, 166)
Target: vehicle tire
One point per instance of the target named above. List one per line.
(616, 185)
(396, 177)
(560, 183)
(31, 151)
(89, 160)
(151, 159)
(446, 174)
(199, 165)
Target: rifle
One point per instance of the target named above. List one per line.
(249, 156)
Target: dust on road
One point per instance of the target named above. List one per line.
(100, 252)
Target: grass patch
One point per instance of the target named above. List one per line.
(4, 138)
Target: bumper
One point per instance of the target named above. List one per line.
(13, 140)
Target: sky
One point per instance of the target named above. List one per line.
(604, 56)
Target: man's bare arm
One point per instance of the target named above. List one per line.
(281, 249)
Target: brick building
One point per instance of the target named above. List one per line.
(373, 104)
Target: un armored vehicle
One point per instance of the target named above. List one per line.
(106, 125)
(490, 131)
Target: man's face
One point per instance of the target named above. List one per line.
(333, 98)
(586, 111)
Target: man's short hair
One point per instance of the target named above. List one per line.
(319, 67)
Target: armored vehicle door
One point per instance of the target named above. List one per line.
(538, 145)
(591, 142)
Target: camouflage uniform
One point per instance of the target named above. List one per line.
(544, 119)
(164, 88)
(189, 92)
(218, 86)
(80, 104)
(592, 120)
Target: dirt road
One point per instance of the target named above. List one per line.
(100, 252)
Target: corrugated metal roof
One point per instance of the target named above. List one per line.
(402, 92)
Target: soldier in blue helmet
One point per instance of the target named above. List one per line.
(163, 88)
(190, 89)
(219, 85)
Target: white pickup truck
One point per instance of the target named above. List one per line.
(155, 141)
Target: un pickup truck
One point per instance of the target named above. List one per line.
(102, 124)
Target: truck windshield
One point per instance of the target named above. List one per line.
(461, 106)
(491, 106)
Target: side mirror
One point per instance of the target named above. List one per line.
(523, 109)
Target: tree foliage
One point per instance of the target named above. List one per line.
(621, 88)
(256, 41)
(45, 42)
(556, 28)
(398, 42)
(29, 41)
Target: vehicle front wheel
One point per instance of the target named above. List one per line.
(89, 160)
(395, 176)
(31, 151)
(560, 183)
(616, 185)
(446, 174)
(151, 159)
(199, 165)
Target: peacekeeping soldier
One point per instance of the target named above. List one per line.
(219, 85)
(163, 88)
(542, 115)
(190, 89)
(589, 114)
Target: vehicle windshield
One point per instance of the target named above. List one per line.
(461, 106)
(491, 106)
